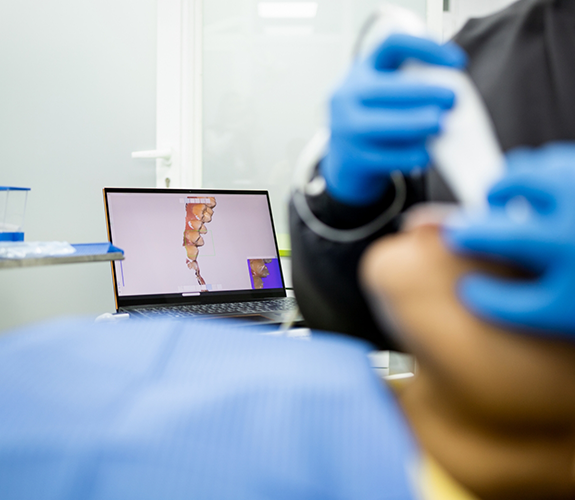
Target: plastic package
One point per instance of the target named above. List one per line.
(12, 209)
(34, 249)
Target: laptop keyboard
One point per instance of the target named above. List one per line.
(253, 307)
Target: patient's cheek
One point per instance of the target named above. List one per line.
(409, 264)
(471, 364)
(410, 281)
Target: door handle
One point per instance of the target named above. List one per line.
(155, 154)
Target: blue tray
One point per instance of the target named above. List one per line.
(85, 252)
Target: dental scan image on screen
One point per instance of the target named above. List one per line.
(265, 273)
(199, 212)
(176, 243)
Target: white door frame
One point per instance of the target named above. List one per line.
(179, 89)
(435, 18)
(179, 93)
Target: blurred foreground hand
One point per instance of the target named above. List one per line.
(531, 224)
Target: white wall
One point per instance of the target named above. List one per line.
(77, 95)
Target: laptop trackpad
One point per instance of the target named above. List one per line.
(254, 318)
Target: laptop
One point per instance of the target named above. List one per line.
(196, 252)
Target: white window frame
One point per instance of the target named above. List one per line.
(179, 89)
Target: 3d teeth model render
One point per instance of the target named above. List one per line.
(199, 212)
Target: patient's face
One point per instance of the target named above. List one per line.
(495, 407)
(259, 271)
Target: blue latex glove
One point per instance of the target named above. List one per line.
(380, 121)
(531, 222)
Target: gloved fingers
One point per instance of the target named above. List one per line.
(531, 222)
(552, 154)
(552, 157)
(522, 158)
(559, 154)
(382, 160)
(498, 237)
(540, 192)
(378, 158)
(394, 91)
(401, 126)
(397, 48)
(373, 125)
(540, 176)
(534, 198)
(506, 301)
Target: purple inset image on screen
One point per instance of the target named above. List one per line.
(265, 273)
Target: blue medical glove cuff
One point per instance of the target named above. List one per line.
(352, 187)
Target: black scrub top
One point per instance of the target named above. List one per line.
(522, 60)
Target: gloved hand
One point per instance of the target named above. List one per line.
(531, 222)
(380, 120)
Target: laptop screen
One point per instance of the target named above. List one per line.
(192, 245)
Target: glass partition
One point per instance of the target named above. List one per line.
(268, 68)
